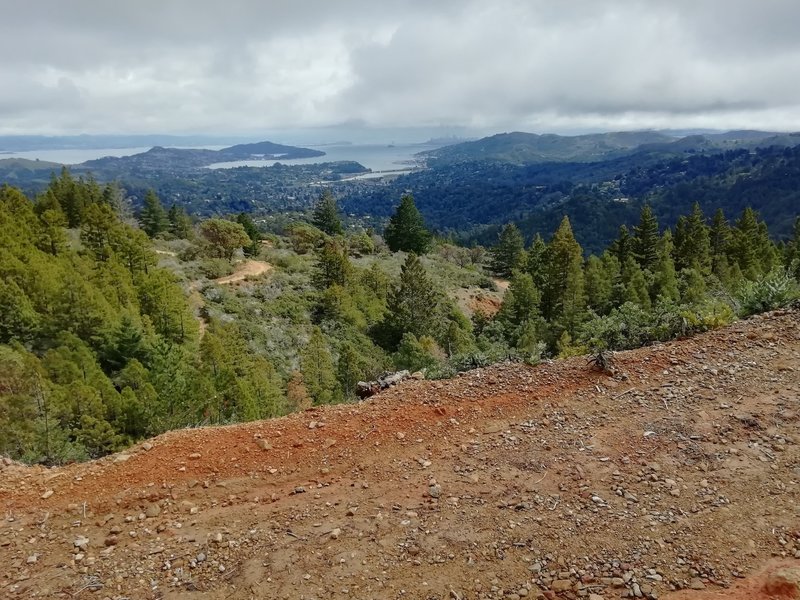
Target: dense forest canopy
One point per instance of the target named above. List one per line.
(117, 324)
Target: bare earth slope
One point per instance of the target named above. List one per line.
(679, 472)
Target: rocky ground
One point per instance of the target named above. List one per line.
(677, 474)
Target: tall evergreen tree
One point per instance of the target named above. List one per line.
(333, 266)
(622, 247)
(720, 238)
(600, 275)
(326, 215)
(665, 280)
(535, 261)
(415, 306)
(509, 253)
(646, 237)
(750, 247)
(520, 302)
(792, 251)
(563, 297)
(406, 229)
(180, 224)
(635, 284)
(693, 242)
(319, 375)
(152, 217)
(253, 233)
(693, 286)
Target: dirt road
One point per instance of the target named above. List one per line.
(679, 472)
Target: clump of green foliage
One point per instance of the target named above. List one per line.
(100, 346)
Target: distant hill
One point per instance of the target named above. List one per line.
(525, 148)
(28, 164)
(18, 171)
(473, 199)
(176, 159)
(267, 150)
(521, 148)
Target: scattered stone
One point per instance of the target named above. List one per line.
(263, 444)
(147, 446)
(152, 511)
(434, 489)
(81, 542)
(561, 585)
(46, 495)
(784, 583)
(697, 584)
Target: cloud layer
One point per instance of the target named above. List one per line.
(249, 66)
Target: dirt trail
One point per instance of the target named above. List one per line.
(681, 471)
(248, 268)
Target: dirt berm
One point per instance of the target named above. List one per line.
(677, 475)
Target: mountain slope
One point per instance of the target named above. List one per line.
(507, 479)
(524, 148)
(521, 148)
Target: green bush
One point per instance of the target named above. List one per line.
(775, 290)
(214, 268)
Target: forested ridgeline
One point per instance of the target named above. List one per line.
(473, 199)
(101, 346)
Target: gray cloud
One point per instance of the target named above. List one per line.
(250, 66)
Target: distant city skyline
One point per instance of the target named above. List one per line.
(314, 71)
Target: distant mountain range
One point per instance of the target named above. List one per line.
(521, 148)
(159, 158)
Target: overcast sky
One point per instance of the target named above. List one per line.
(244, 67)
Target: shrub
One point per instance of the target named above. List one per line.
(774, 290)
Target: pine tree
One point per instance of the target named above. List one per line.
(720, 238)
(693, 286)
(600, 275)
(252, 232)
(180, 224)
(318, 372)
(152, 217)
(635, 284)
(406, 229)
(333, 266)
(509, 253)
(750, 247)
(665, 280)
(415, 306)
(563, 296)
(646, 238)
(520, 302)
(622, 247)
(693, 242)
(326, 215)
(350, 369)
(792, 251)
(535, 262)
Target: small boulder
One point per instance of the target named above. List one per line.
(784, 583)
